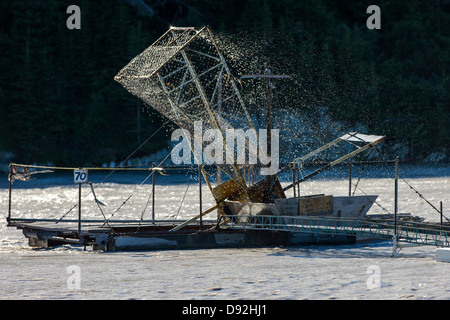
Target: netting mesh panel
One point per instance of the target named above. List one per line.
(184, 77)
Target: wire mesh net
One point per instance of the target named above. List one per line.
(180, 76)
(184, 76)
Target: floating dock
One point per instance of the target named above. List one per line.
(239, 231)
(149, 235)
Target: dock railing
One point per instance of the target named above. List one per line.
(412, 232)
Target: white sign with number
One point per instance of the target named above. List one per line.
(80, 176)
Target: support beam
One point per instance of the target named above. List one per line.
(194, 218)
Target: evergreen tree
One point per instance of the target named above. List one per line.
(60, 104)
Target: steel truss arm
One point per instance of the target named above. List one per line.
(349, 137)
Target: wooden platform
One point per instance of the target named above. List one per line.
(49, 232)
(71, 226)
(148, 235)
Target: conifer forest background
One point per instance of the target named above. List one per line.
(59, 102)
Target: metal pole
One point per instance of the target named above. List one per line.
(219, 182)
(394, 245)
(10, 193)
(269, 124)
(293, 181)
(394, 239)
(219, 109)
(200, 194)
(244, 173)
(396, 196)
(79, 209)
(442, 214)
(349, 179)
(153, 192)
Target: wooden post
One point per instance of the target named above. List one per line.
(153, 192)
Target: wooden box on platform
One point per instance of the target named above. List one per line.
(315, 204)
(307, 205)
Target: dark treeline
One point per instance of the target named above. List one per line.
(60, 104)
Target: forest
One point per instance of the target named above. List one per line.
(59, 102)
